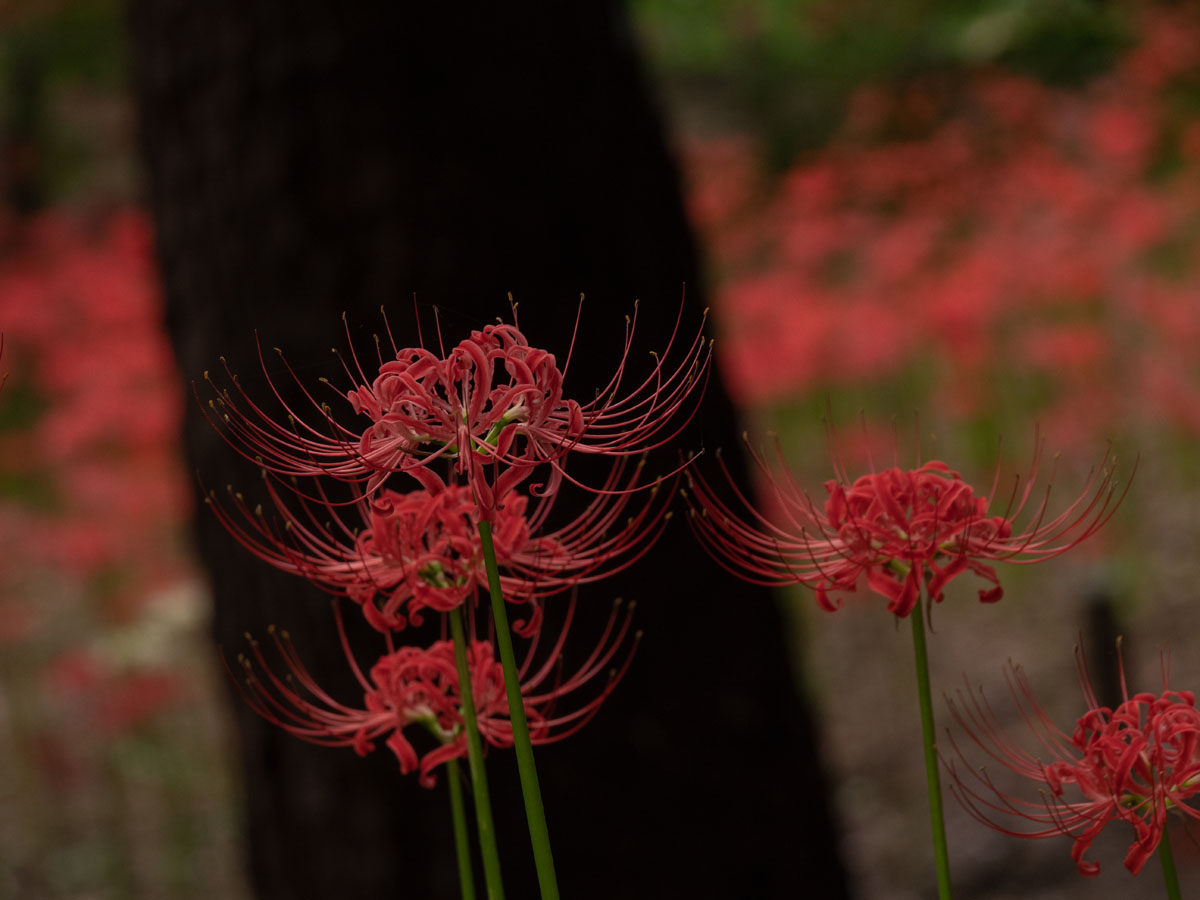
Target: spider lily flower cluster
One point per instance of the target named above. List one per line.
(907, 534)
(1132, 764)
(417, 688)
(901, 529)
(387, 513)
(395, 554)
(434, 499)
(493, 407)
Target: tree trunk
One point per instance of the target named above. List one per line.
(318, 157)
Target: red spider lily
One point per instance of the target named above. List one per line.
(406, 552)
(493, 401)
(1131, 765)
(419, 686)
(899, 528)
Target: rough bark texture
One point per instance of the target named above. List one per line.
(311, 158)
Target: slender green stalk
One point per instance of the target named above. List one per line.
(462, 843)
(1170, 876)
(936, 818)
(483, 805)
(535, 813)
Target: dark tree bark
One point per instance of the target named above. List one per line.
(314, 158)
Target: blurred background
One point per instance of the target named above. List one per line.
(958, 225)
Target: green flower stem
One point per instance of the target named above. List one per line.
(535, 813)
(483, 805)
(1170, 876)
(462, 844)
(933, 782)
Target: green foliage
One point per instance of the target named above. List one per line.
(80, 41)
(788, 67)
(44, 56)
(1058, 41)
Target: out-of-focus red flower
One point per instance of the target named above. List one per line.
(108, 699)
(1167, 49)
(1133, 764)
(1011, 208)
(900, 529)
(419, 686)
(1074, 348)
(1122, 134)
(102, 491)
